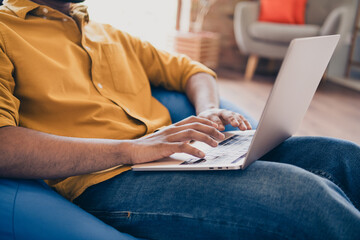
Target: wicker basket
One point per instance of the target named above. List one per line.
(202, 47)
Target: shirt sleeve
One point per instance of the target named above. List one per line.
(168, 70)
(9, 104)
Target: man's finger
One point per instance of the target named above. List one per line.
(229, 117)
(242, 126)
(218, 121)
(199, 127)
(191, 134)
(236, 120)
(246, 123)
(187, 148)
(193, 119)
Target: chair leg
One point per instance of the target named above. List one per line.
(251, 66)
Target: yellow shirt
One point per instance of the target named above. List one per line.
(73, 77)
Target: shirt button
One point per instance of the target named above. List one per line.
(87, 48)
(45, 10)
(99, 85)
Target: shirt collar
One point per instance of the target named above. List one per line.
(22, 7)
(79, 11)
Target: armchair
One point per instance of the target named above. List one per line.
(271, 40)
(30, 209)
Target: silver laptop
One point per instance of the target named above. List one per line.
(294, 88)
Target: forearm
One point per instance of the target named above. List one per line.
(202, 92)
(26, 153)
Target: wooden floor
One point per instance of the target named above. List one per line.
(334, 111)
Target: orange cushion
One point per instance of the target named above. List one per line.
(300, 7)
(283, 11)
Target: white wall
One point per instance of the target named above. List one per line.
(151, 20)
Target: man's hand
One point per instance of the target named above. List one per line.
(202, 92)
(224, 117)
(175, 138)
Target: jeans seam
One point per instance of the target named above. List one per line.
(185, 216)
(331, 178)
(326, 175)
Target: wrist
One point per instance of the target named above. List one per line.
(206, 108)
(202, 92)
(122, 152)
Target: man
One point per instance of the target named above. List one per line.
(76, 108)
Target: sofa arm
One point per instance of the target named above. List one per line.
(334, 23)
(245, 14)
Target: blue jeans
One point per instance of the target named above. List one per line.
(306, 188)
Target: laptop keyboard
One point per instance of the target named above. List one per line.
(231, 150)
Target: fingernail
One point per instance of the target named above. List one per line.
(201, 154)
